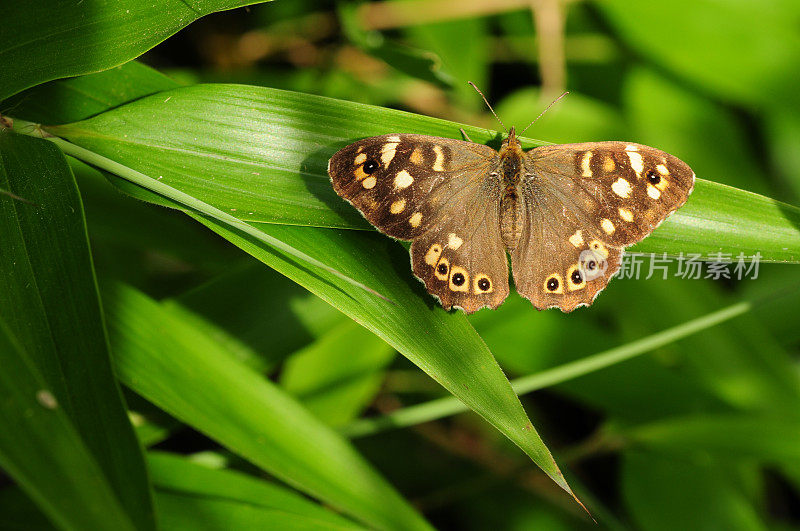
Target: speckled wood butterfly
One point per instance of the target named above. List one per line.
(563, 212)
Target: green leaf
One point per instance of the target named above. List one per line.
(411, 323)
(200, 383)
(40, 448)
(50, 302)
(666, 494)
(51, 39)
(753, 437)
(183, 478)
(723, 49)
(272, 148)
(77, 98)
(338, 375)
(442, 344)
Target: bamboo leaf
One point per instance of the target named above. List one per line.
(49, 299)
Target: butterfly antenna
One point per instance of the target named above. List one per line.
(544, 111)
(487, 104)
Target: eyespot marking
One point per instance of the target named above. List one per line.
(403, 180)
(575, 278)
(622, 188)
(459, 279)
(597, 246)
(442, 270)
(453, 241)
(626, 214)
(415, 219)
(398, 206)
(483, 284)
(554, 284)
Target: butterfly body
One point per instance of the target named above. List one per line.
(563, 213)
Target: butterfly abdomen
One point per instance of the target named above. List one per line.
(511, 221)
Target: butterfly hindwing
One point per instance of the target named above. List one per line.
(461, 258)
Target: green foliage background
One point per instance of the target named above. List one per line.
(218, 364)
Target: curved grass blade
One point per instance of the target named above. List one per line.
(40, 448)
(202, 384)
(273, 146)
(50, 39)
(49, 299)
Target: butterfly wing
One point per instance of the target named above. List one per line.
(439, 193)
(584, 203)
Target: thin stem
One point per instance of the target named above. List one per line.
(445, 407)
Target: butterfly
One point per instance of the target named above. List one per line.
(564, 213)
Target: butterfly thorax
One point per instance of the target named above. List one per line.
(511, 168)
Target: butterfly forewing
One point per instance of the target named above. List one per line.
(402, 183)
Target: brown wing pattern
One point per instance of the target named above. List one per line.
(584, 204)
(403, 183)
(438, 193)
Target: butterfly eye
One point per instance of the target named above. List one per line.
(653, 177)
(370, 166)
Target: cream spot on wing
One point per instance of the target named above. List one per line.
(438, 164)
(387, 153)
(369, 182)
(394, 138)
(576, 239)
(402, 180)
(432, 256)
(653, 192)
(626, 214)
(416, 156)
(360, 149)
(637, 162)
(608, 165)
(587, 158)
(361, 158)
(454, 242)
(631, 147)
(415, 219)
(607, 226)
(621, 187)
(397, 206)
(662, 169)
